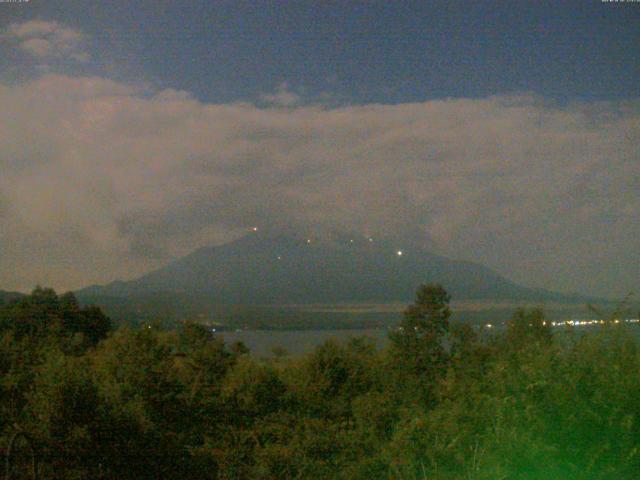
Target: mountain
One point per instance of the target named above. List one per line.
(288, 269)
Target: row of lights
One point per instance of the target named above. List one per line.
(581, 323)
(399, 253)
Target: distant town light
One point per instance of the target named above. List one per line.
(351, 241)
(255, 229)
(370, 239)
(308, 240)
(399, 253)
(279, 257)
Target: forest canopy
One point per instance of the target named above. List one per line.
(80, 399)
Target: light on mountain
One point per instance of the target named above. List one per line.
(399, 253)
(255, 229)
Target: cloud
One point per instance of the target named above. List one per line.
(100, 180)
(45, 40)
(283, 97)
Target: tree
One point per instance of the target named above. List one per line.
(333, 375)
(135, 374)
(417, 344)
(528, 326)
(32, 316)
(194, 336)
(44, 315)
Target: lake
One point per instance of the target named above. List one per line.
(298, 342)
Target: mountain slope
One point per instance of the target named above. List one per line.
(284, 269)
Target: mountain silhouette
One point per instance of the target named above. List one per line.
(268, 268)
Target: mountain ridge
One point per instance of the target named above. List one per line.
(268, 268)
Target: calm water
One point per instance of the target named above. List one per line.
(298, 342)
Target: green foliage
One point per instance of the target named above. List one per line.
(44, 314)
(440, 403)
(417, 343)
(333, 375)
(417, 347)
(525, 327)
(251, 390)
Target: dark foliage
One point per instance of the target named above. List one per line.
(440, 402)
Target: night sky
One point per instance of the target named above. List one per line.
(507, 133)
